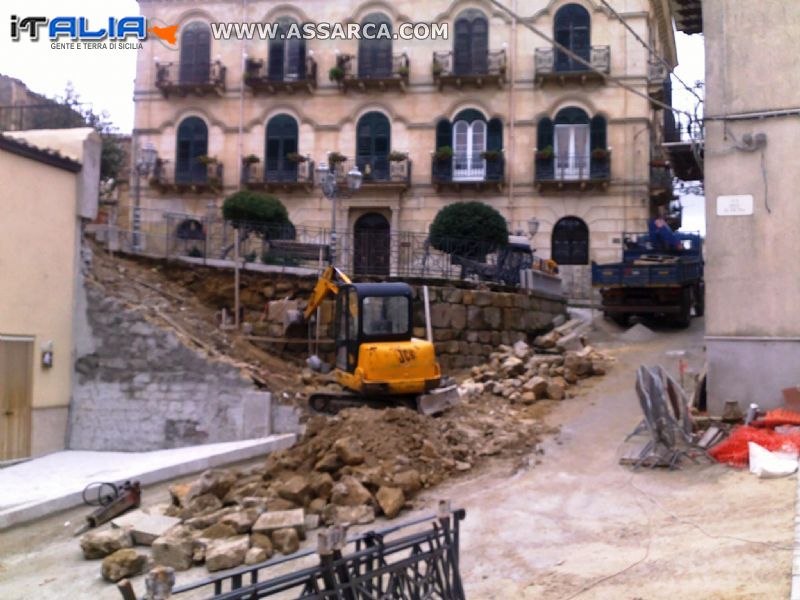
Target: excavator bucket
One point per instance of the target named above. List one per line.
(438, 401)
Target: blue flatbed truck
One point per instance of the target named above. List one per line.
(661, 275)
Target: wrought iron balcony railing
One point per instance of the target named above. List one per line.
(279, 174)
(551, 64)
(378, 171)
(572, 171)
(259, 77)
(461, 172)
(196, 177)
(487, 69)
(191, 78)
(349, 72)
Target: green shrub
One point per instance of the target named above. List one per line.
(195, 252)
(254, 212)
(468, 229)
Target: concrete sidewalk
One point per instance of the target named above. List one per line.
(52, 483)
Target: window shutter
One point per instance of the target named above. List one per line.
(599, 133)
(494, 140)
(276, 50)
(444, 134)
(544, 134)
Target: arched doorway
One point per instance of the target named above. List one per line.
(572, 30)
(570, 242)
(192, 145)
(281, 143)
(195, 57)
(373, 145)
(371, 241)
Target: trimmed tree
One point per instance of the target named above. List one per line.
(468, 229)
(262, 214)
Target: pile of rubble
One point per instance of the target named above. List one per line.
(525, 374)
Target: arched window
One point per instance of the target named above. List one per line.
(471, 43)
(287, 57)
(375, 55)
(281, 143)
(190, 229)
(572, 29)
(192, 144)
(571, 143)
(195, 53)
(570, 242)
(373, 144)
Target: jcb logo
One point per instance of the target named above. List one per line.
(405, 356)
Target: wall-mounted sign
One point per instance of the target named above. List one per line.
(735, 206)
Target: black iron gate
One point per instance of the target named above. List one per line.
(421, 564)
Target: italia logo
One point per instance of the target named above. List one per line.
(78, 29)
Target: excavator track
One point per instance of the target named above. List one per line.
(330, 403)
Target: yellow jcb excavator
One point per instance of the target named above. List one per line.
(378, 361)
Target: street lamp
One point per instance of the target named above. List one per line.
(144, 165)
(326, 175)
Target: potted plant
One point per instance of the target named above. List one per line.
(251, 159)
(403, 71)
(397, 156)
(206, 160)
(295, 157)
(545, 153)
(437, 69)
(490, 155)
(659, 162)
(599, 154)
(335, 158)
(444, 153)
(336, 74)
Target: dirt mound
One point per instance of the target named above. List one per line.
(637, 333)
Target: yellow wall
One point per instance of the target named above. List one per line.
(38, 250)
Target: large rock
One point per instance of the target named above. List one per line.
(348, 491)
(295, 489)
(513, 366)
(240, 521)
(261, 540)
(125, 562)
(214, 481)
(521, 350)
(180, 493)
(537, 385)
(255, 556)
(208, 520)
(285, 541)
(556, 389)
(348, 515)
(226, 553)
(159, 582)
(151, 527)
(580, 365)
(272, 521)
(349, 450)
(316, 506)
(569, 342)
(391, 500)
(321, 484)
(98, 544)
(329, 463)
(218, 531)
(548, 340)
(409, 481)
(173, 550)
(203, 505)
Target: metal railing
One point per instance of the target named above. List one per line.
(201, 76)
(492, 64)
(394, 562)
(258, 74)
(550, 60)
(574, 167)
(279, 171)
(657, 72)
(168, 175)
(460, 169)
(377, 169)
(39, 116)
(354, 70)
(660, 177)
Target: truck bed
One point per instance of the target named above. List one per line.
(640, 274)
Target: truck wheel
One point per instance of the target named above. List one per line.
(684, 317)
(700, 300)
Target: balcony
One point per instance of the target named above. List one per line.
(378, 173)
(657, 76)
(660, 182)
(286, 176)
(552, 65)
(459, 174)
(199, 178)
(575, 172)
(258, 78)
(348, 74)
(490, 70)
(198, 79)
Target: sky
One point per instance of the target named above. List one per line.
(105, 77)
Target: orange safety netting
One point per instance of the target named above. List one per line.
(734, 450)
(779, 416)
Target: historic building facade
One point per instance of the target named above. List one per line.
(493, 113)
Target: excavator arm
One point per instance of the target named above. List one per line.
(327, 284)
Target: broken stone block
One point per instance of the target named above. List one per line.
(581, 366)
(280, 505)
(159, 582)
(537, 385)
(569, 342)
(125, 562)
(556, 389)
(391, 500)
(240, 521)
(349, 450)
(226, 553)
(146, 530)
(348, 491)
(409, 481)
(513, 366)
(271, 521)
(174, 551)
(348, 515)
(285, 540)
(218, 531)
(179, 493)
(329, 462)
(521, 350)
(528, 398)
(316, 506)
(255, 556)
(321, 484)
(203, 505)
(548, 340)
(214, 481)
(296, 489)
(98, 544)
(311, 522)
(209, 519)
(261, 540)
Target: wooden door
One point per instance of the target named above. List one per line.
(372, 241)
(16, 388)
